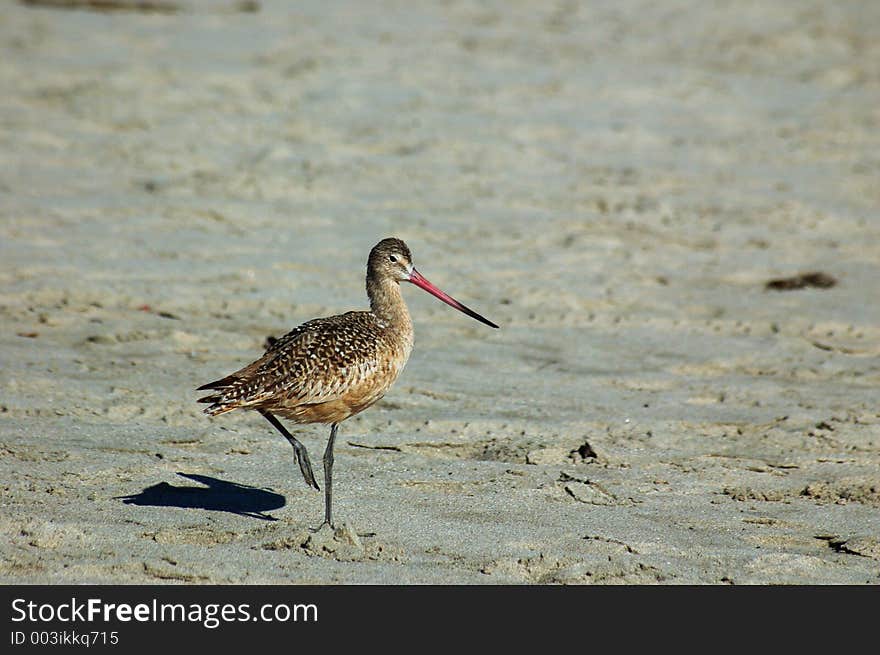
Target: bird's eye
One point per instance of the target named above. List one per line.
(392, 258)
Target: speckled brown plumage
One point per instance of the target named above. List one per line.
(324, 371)
(329, 369)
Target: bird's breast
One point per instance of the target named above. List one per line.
(356, 385)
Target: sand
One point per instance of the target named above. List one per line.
(614, 183)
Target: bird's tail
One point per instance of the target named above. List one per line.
(220, 402)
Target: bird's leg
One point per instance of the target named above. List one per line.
(302, 455)
(328, 479)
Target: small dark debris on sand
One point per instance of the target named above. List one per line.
(139, 6)
(816, 279)
(144, 6)
(583, 452)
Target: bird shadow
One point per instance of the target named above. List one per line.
(218, 496)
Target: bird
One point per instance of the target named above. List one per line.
(329, 369)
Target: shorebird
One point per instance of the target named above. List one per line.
(329, 369)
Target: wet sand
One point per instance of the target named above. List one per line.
(613, 183)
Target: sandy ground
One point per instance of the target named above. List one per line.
(612, 182)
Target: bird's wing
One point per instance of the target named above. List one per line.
(317, 362)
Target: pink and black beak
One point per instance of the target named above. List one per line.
(416, 278)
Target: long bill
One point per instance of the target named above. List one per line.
(416, 278)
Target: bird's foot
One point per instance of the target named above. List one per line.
(324, 524)
(305, 466)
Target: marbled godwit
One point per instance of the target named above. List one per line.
(329, 369)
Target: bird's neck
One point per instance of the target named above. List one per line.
(386, 303)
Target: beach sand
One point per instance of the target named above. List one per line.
(614, 183)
